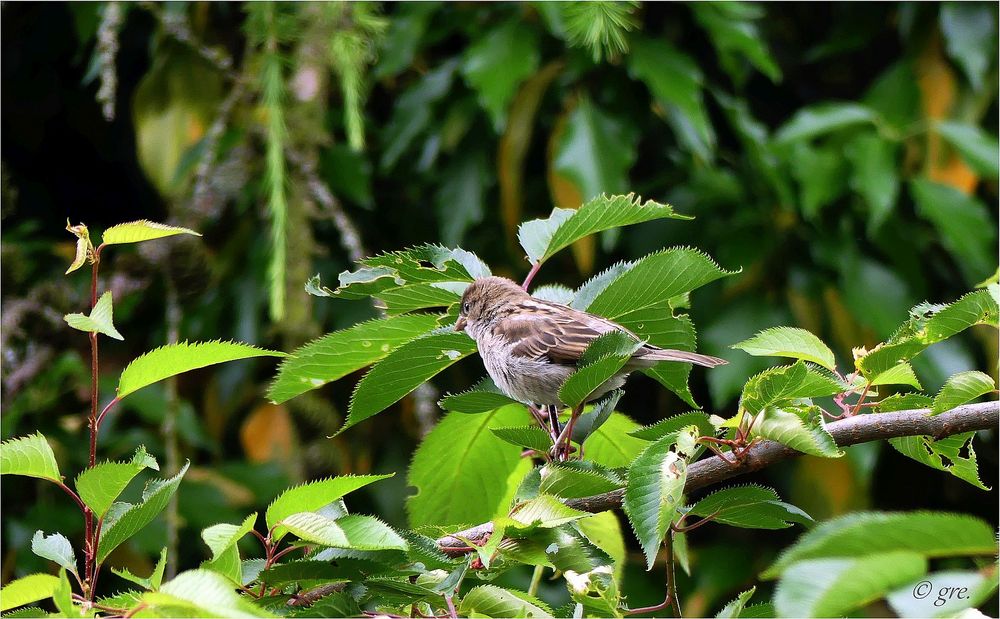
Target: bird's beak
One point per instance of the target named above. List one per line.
(460, 324)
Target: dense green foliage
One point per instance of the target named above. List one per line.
(837, 160)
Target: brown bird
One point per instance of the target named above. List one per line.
(531, 346)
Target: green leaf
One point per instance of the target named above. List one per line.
(736, 39)
(789, 342)
(653, 493)
(663, 329)
(30, 456)
(542, 238)
(175, 359)
(312, 527)
(970, 33)
(798, 427)
(404, 299)
(930, 534)
(530, 437)
(201, 593)
(903, 402)
(314, 495)
(26, 590)
(492, 601)
(221, 537)
(570, 480)
(56, 548)
(155, 578)
(963, 223)
(778, 385)
(403, 370)
(101, 484)
(482, 398)
(62, 597)
(142, 230)
(461, 198)
(653, 279)
(135, 517)
(604, 358)
(545, 511)
(946, 454)
(99, 320)
(975, 308)
(594, 152)
(595, 417)
(675, 81)
(496, 64)
(833, 587)
(461, 469)
(874, 176)
(750, 507)
(674, 424)
(954, 591)
(735, 608)
(976, 147)
(416, 265)
(822, 118)
(821, 172)
(611, 446)
(901, 374)
(595, 592)
(340, 353)
(961, 388)
(353, 532)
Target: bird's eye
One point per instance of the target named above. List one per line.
(465, 307)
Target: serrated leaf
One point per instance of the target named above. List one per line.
(314, 495)
(142, 230)
(26, 590)
(174, 359)
(779, 385)
(337, 354)
(594, 417)
(602, 359)
(735, 608)
(816, 120)
(461, 469)
(482, 398)
(353, 532)
(929, 534)
(545, 511)
(403, 370)
(976, 147)
(99, 321)
(530, 437)
(101, 484)
(674, 424)
(135, 517)
(789, 342)
(421, 264)
(750, 507)
(961, 388)
(557, 293)
(653, 493)
(492, 601)
(221, 537)
(611, 446)
(655, 278)
(834, 587)
(201, 593)
(30, 456)
(56, 548)
(405, 299)
(901, 374)
(953, 454)
(572, 480)
(155, 578)
(798, 427)
(663, 329)
(541, 238)
(903, 402)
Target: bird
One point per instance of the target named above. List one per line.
(530, 346)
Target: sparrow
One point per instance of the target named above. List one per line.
(531, 346)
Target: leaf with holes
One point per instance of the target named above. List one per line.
(789, 342)
(99, 321)
(337, 354)
(653, 493)
(30, 456)
(101, 484)
(56, 548)
(750, 507)
(142, 230)
(174, 359)
(953, 454)
(961, 388)
(134, 517)
(542, 238)
(405, 369)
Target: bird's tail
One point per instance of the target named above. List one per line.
(667, 354)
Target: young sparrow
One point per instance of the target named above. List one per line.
(530, 346)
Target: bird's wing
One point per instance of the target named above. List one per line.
(544, 330)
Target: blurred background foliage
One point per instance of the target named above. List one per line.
(844, 155)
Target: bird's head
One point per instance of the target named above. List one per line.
(482, 299)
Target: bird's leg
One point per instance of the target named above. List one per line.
(554, 428)
(570, 426)
(540, 417)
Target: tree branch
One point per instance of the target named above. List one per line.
(849, 431)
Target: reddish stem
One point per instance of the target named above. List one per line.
(104, 412)
(861, 399)
(531, 274)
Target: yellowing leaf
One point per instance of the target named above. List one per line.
(141, 230)
(99, 320)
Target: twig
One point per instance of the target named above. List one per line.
(848, 431)
(531, 274)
